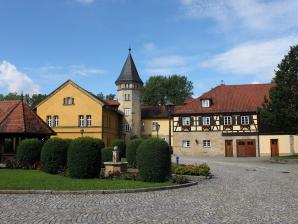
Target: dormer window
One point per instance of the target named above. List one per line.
(206, 103)
(68, 101)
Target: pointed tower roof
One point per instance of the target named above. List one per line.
(129, 71)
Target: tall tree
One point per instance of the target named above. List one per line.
(32, 101)
(109, 96)
(280, 111)
(176, 88)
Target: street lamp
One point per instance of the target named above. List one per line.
(82, 132)
(170, 108)
(157, 126)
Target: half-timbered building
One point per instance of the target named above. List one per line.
(223, 122)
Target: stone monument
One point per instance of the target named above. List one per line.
(116, 166)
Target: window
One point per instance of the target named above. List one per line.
(49, 121)
(205, 103)
(81, 121)
(186, 144)
(89, 120)
(68, 101)
(185, 121)
(126, 85)
(143, 126)
(227, 120)
(126, 128)
(56, 121)
(244, 120)
(127, 97)
(206, 120)
(154, 126)
(127, 111)
(206, 143)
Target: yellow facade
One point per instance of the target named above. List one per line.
(287, 144)
(68, 115)
(148, 130)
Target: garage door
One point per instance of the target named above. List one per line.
(246, 148)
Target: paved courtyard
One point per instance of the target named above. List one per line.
(242, 191)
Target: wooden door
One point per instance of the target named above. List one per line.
(229, 148)
(274, 147)
(246, 148)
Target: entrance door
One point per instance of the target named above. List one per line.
(229, 148)
(274, 147)
(246, 148)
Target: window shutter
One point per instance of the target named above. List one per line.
(180, 121)
(251, 119)
(200, 121)
(221, 120)
(234, 119)
(238, 119)
(191, 121)
(212, 120)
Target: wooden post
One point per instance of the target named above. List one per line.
(14, 144)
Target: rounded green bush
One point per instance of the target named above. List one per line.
(120, 143)
(106, 155)
(131, 151)
(84, 157)
(153, 160)
(28, 151)
(53, 155)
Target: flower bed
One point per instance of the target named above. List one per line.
(193, 170)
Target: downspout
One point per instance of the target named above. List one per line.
(258, 135)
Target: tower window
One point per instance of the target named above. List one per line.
(127, 97)
(127, 128)
(127, 111)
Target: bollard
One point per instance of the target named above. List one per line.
(177, 161)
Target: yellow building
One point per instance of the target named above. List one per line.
(72, 112)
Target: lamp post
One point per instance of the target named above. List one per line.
(82, 132)
(170, 107)
(157, 126)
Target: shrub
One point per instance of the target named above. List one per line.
(120, 143)
(106, 155)
(28, 152)
(180, 179)
(131, 151)
(153, 160)
(53, 155)
(84, 157)
(195, 170)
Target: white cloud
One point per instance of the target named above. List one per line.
(248, 14)
(149, 47)
(16, 81)
(170, 64)
(84, 71)
(258, 59)
(86, 2)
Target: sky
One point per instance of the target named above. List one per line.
(44, 43)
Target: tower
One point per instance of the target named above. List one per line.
(129, 86)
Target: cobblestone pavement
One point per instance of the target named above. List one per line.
(242, 191)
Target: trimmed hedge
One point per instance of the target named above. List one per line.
(28, 152)
(121, 146)
(84, 157)
(106, 155)
(153, 160)
(131, 151)
(53, 155)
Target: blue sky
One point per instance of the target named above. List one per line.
(44, 43)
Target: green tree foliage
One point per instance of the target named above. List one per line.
(53, 155)
(106, 155)
(84, 157)
(32, 101)
(131, 151)
(176, 88)
(153, 160)
(28, 152)
(280, 111)
(109, 96)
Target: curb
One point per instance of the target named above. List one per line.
(284, 161)
(192, 183)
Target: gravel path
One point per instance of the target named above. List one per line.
(242, 191)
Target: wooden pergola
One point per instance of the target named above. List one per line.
(18, 121)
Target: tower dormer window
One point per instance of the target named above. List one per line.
(206, 103)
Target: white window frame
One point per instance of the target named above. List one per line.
(207, 143)
(68, 100)
(55, 121)
(244, 120)
(126, 127)
(154, 126)
(127, 97)
(49, 120)
(185, 121)
(206, 120)
(206, 103)
(88, 120)
(227, 120)
(81, 120)
(127, 111)
(186, 144)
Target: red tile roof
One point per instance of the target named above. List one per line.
(228, 99)
(112, 102)
(17, 117)
(154, 112)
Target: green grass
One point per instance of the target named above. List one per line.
(287, 157)
(18, 179)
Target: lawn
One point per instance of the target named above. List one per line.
(287, 157)
(18, 179)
